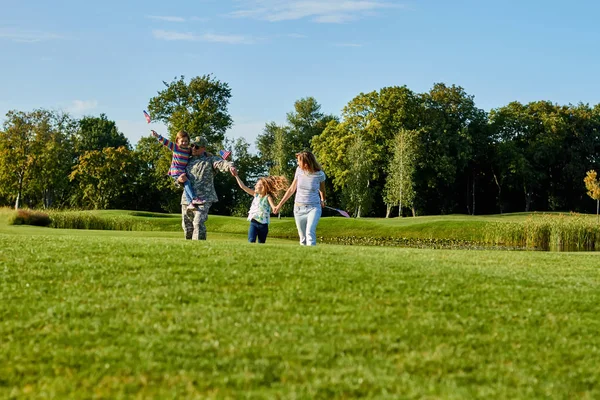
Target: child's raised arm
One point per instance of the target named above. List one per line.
(244, 187)
(164, 141)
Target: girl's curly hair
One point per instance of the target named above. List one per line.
(274, 185)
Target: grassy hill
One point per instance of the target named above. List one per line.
(145, 314)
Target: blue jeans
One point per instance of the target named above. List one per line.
(187, 189)
(257, 230)
(307, 218)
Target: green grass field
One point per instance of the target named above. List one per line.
(119, 314)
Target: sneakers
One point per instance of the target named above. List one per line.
(198, 201)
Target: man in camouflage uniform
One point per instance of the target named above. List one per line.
(201, 170)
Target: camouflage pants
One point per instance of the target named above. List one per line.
(193, 222)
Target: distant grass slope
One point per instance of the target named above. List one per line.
(462, 227)
(118, 314)
(427, 231)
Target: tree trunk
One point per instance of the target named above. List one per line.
(414, 212)
(18, 201)
(388, 210)
(473, 194)
(499, 192)
(527, 199)
(467, 199)
(598, 211)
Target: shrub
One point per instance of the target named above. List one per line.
(547, 232)
(29, 217)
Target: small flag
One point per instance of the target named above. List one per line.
(342, 212)
(224, 154)
(147, 116)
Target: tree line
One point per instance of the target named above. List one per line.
(390, 152)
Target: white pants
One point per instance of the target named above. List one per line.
(307, 218)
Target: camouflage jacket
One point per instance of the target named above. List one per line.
(201, 172)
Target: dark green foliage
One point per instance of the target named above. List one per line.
(97, 133)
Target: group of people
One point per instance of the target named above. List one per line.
(195, 168)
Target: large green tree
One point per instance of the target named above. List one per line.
(199, 107)
(35, 156)
(306, 122)
(350, 152)
(358, 191)
(96, 133)
(448, 123)
(399, 184)
(106, 178)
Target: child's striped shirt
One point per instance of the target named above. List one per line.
(180, 159)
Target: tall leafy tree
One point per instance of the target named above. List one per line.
(264, 144)
(106, 178)
(358, 190)
(305, 122)
(577, 143)
(34, 155)
(96, 133)
(51, 179)
(399, 185)
(199, 106)
(331, 148)
(446, 141)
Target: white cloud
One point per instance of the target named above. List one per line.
(334, 18)
(166, 18)
(206, 37)
(169, 35)
(322, 11)
(28, 36)
(79, 107)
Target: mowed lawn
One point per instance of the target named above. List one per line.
(148, 315)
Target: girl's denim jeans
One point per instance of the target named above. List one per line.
(258, 230)
(307, 218)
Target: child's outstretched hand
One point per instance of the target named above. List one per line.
(154, 133)
(233, 171)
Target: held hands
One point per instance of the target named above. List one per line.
(276, 209)
(182, 178)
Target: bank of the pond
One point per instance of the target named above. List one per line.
(419, 243)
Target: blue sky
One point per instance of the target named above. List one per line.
(112, 56)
